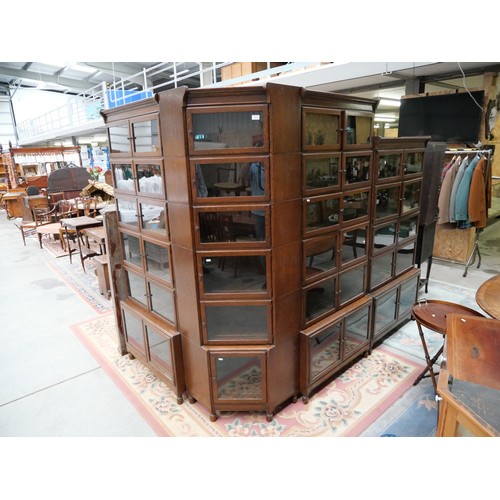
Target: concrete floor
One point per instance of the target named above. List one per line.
(51, 386)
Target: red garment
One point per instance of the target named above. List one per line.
(477, 196)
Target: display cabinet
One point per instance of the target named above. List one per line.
(250, 223)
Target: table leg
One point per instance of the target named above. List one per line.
(430, 362)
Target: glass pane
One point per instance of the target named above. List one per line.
(357, 330)
(408, 295)
(153, 217)
(381, 269)
(358, 130)
(351, 284)
(387, 202)
(119, 140)
(321, 129)
(136, 287)
(411, 197)
(162, 301)
(236, 129)
(320, 299)
(127, 211)
(157, 261)
(234, 273)
(160, 351)
(357, 169)
(237, 322)
(355, 206)
(131, 247)
(414, 162)
(124, 177)
(408, 227)
(320, 255)
(238, 377)
(325, 350)
(146, 137)
(133, 328)
(323, 213)
(389, 166)
(405, 256)
(232, 226)
(353, 244)
(384, 236)
(150, 179)
(230, 179)
(322, 172)
(385, 310)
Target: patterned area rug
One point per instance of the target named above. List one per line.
(345, 407)
(84, 283)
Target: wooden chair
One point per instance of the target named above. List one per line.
(39, 216)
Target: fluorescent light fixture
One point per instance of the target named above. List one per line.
(390, 102)
(83, 68)
(387, 119)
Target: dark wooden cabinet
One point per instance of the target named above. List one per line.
(245, 223)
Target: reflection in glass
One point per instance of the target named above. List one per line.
(408, 227)
(351, 284)
(244, 226)
(153, 217)
(131, 247)
(320, 299)
(358, 129)
(389, 165)
(353, 244)
(124, 177)
(146, 137)
(162, 301)
(150, 179)
(127, 211)
(237, 129)
(357, 169)
(408, 295)
(224, 179)
(405, 257)
(136, 287)
(413, 163)
(411, 198)
(385, 310)
(234, 273)
(119, 141)
(356, 330)
(157, 261)
(387, 202)
(322, 172)
(237, 322)
(323, 213)
(321, 129)
(320, 255)
(325, 350)
(381, 269)
(160, 351)
(355, 205)
(133, 329)
(238, 377)
(384, 236)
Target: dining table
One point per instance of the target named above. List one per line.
(488, 296)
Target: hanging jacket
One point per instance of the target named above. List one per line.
(477, 196)
(462, 197)
(458, 178)
(445, 193)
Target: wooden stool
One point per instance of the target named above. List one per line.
(432, 314)
(102, 273)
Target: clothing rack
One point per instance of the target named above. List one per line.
(475, 253)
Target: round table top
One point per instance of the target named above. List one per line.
(488, 297)
(432, 313)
